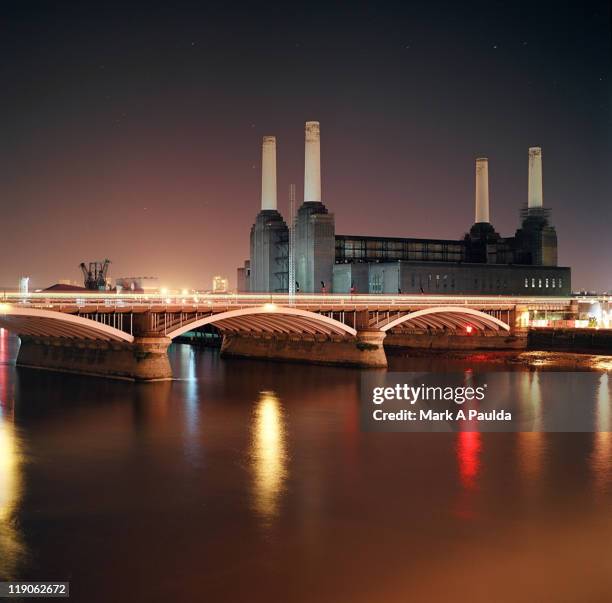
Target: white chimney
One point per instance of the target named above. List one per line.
(482, 190)
(268, 173)
(535, 196)
(312, 162)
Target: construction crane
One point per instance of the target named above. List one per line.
(94, 274)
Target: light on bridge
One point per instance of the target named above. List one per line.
(469, 329)
(269, 307)
(524, 318)
(4, 308)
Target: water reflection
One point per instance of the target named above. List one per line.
(98, 473)
(11, 547)
(6, 382)
(601, 461)
(151, 406)
(268, 454)
(192, 404)
(534, 398)
(469, 448)
(531, 444)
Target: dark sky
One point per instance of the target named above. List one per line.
(133, 130)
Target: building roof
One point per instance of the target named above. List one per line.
(60, 287)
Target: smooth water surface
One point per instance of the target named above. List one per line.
(251, 481)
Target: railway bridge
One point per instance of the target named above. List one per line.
(127, 335)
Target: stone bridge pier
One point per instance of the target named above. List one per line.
(361, 348)
(143, 359)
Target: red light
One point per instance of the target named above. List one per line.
(469, 329)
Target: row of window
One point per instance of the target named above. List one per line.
(553, 283)
(360, 254)
(439, 281)
(362, 244)
(444, 281)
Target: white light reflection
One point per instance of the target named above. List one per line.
(601, 461)
(191, 405)
(268, 454)
(11, 547)
(531, 444)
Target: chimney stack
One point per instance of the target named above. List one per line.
(268, 173)
(535, 178)
(312, 162)
(482, 190)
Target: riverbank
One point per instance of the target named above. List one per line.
(589, 341)
(507, 360)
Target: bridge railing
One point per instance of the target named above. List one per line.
(115, 300)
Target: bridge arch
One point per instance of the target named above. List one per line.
(451, 317)
(51, 323)
(269, 318)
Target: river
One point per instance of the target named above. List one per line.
(252, 481)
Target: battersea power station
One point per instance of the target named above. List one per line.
(482, 262)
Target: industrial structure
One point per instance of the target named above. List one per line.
(269, 234)
(95, 275)
(135, 284)
(481, 262)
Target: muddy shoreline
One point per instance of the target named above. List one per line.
(511, 360)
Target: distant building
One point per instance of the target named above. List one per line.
(482, 262)
(243, 277)
(136, 284)
(64, 288)
(24, 285)
(220, 284)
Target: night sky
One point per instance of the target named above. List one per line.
(133, 130)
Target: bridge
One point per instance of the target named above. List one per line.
(127, 335)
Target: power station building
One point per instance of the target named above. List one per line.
(269, 234)
(481, 263)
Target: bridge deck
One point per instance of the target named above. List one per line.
(158, 303)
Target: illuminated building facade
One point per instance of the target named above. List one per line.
(220, 284)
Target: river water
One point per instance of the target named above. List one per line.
(251, 481)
